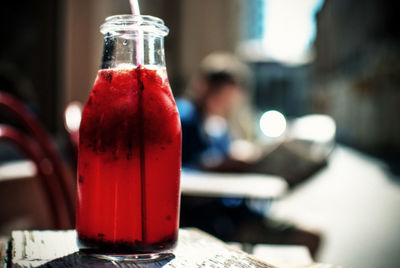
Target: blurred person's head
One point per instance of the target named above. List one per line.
(219, 86)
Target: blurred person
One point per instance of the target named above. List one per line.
(215, 93)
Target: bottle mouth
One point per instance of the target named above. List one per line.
(131, 25)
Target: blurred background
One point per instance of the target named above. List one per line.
(337, 58)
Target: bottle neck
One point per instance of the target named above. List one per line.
(128, 50)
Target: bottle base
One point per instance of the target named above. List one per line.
(127, 251)
(142, 257)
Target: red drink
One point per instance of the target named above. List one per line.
(129, 163)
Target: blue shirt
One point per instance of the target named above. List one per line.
(196, 143)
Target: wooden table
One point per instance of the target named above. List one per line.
(195, 249)
(59, 249)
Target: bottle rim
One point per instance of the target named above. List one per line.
(134, 24)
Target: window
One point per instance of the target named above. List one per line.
(279, 30)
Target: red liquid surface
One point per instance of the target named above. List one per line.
(129, 163)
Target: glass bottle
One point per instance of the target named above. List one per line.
(129, 156)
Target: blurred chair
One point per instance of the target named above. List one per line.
(48, 179)
(38, 146)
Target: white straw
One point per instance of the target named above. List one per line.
(139, 41)
(135, 7)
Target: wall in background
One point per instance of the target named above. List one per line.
(29, 58)
(196, 29)
(357, 70)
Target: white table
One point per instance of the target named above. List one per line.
(251, 186)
